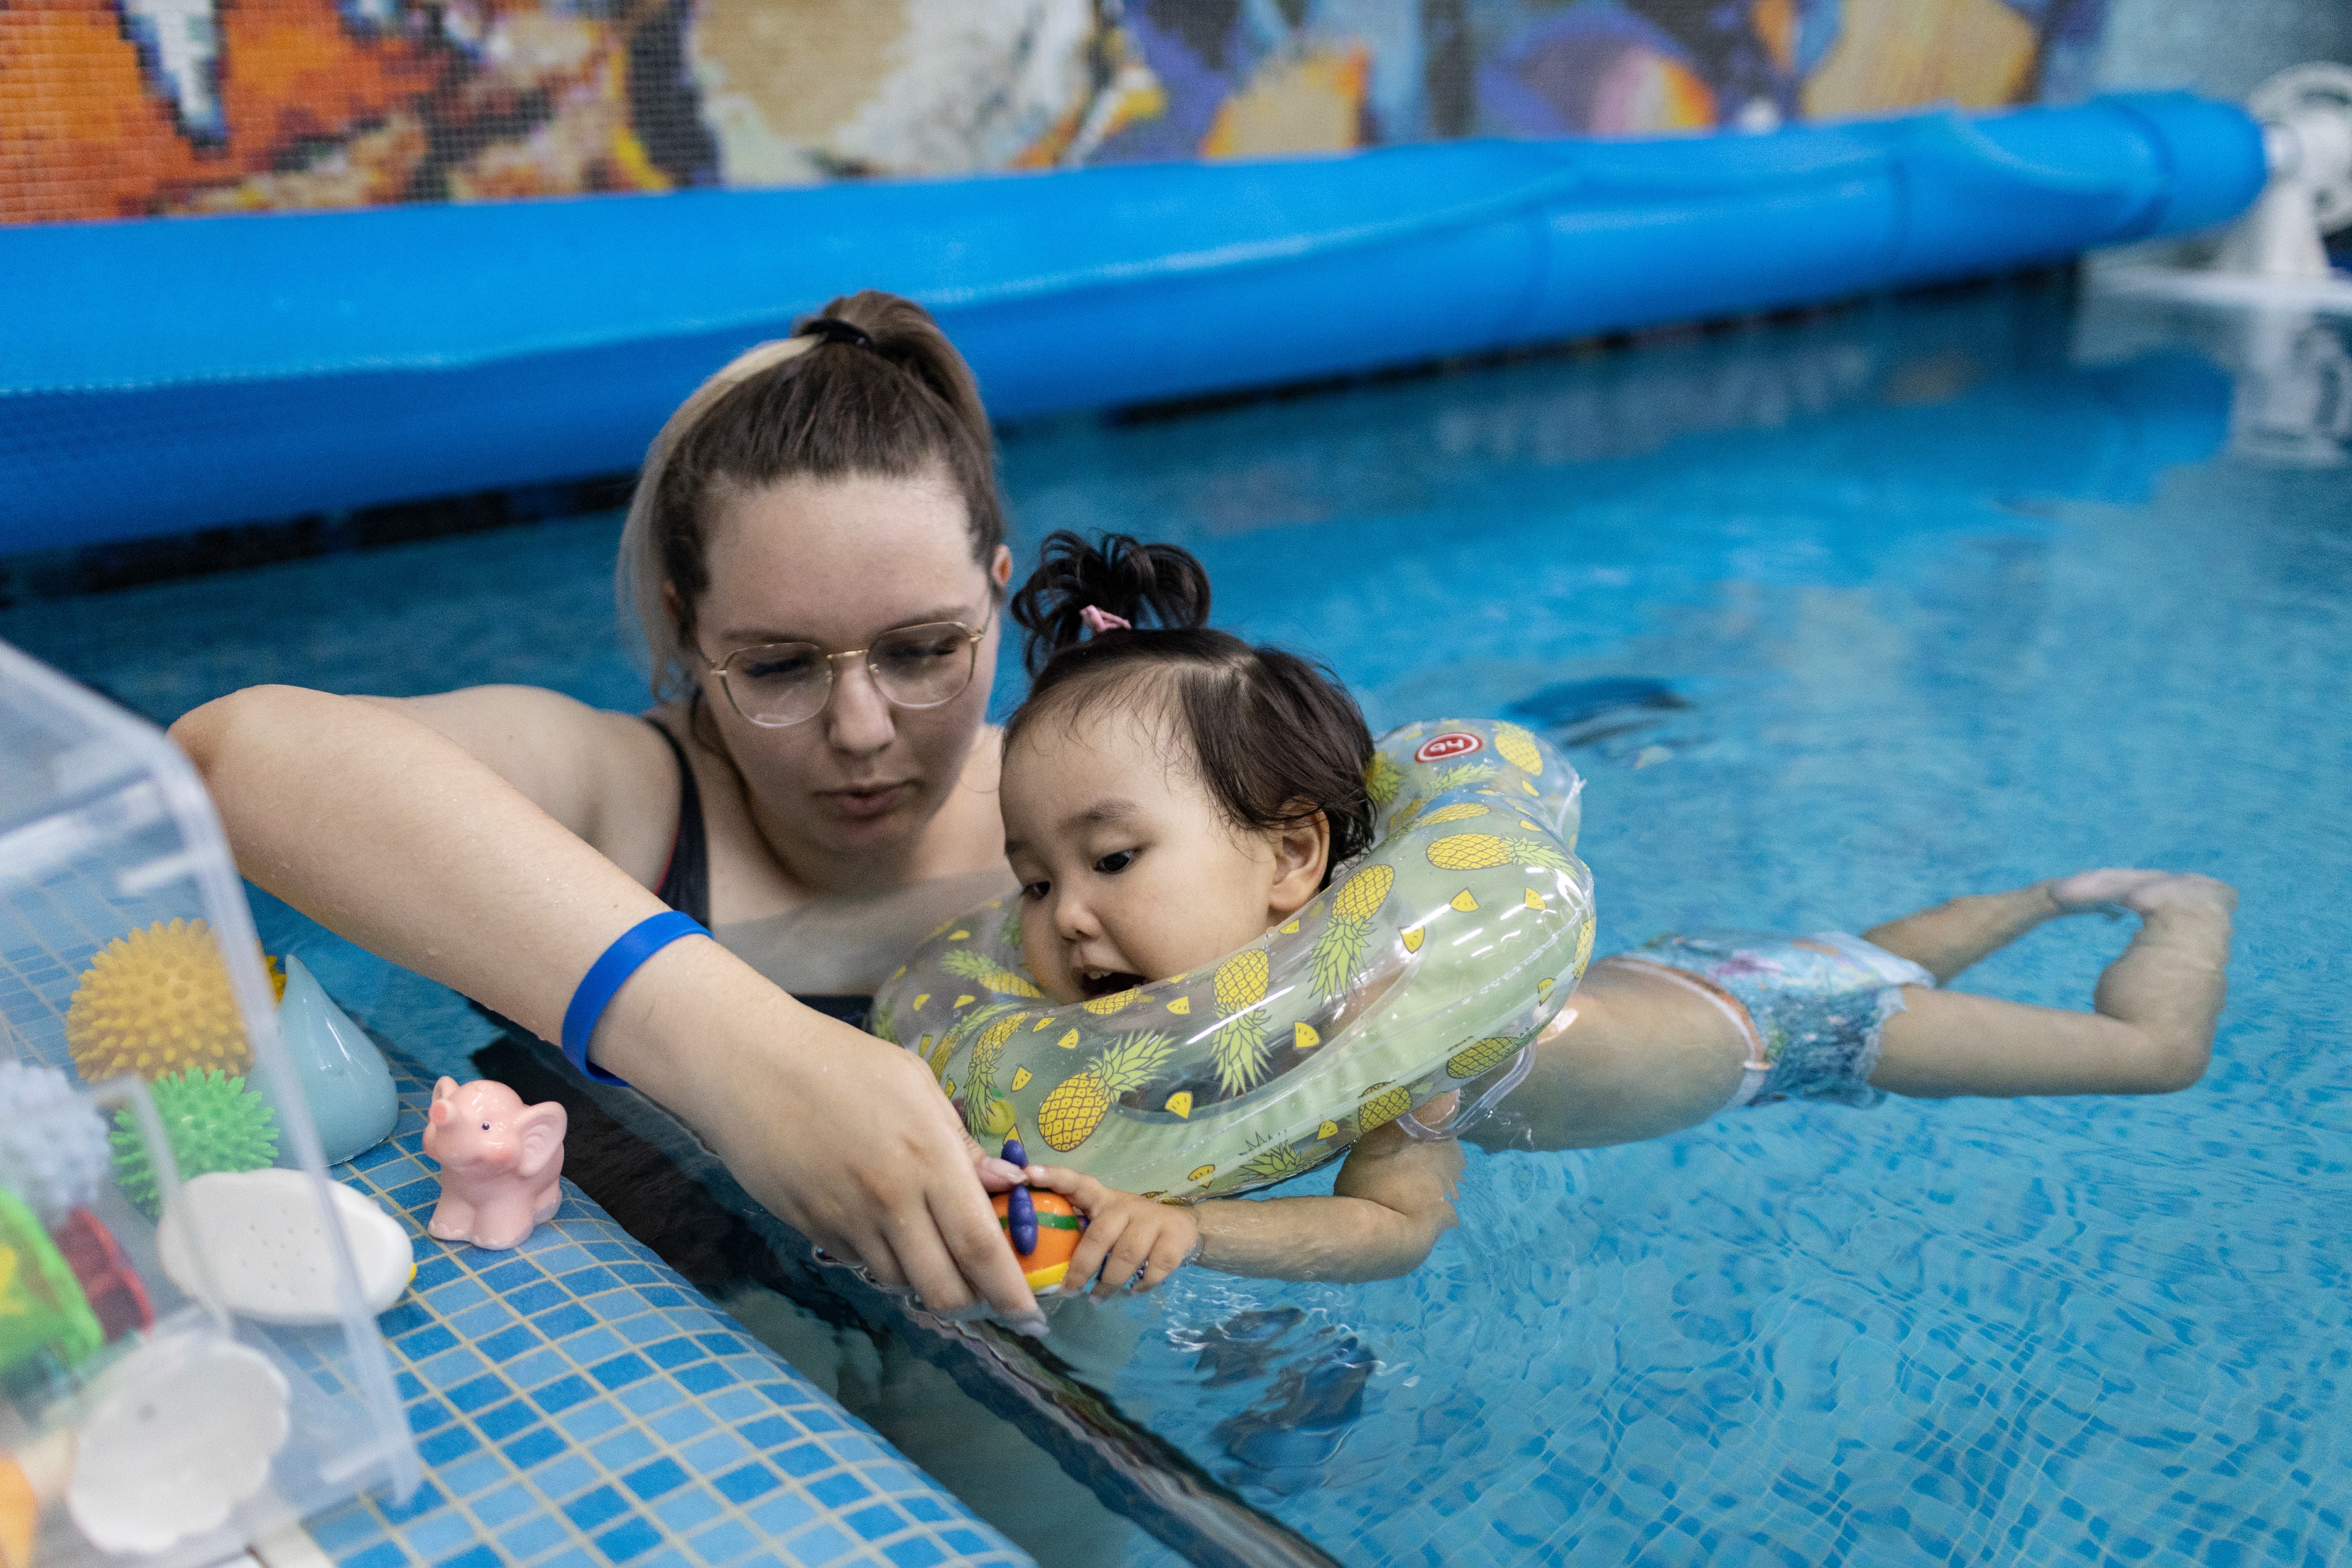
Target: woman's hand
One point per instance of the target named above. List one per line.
(1126, 1235)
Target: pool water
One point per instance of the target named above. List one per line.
(1840, 618)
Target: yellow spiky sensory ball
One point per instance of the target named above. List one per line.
(156, 1001)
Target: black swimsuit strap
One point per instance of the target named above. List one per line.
(686, 880)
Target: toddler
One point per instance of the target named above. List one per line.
(1170, 792)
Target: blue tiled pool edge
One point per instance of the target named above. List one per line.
(576, 1403)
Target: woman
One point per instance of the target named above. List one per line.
(815, 559)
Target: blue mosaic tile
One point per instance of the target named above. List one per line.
(481, 1391)
(532, 1369)
(480, 1321)
(535, 1535)
(591, 1422)
(505, 1420)
(509, 1343)
(562, 1395)
(806, 1459)
(734, 1405)
(571, 1557)
(508, 1502)
(558, 1431)
(626, 1448)
(686, 1421)
(590, 1281)
(621, 1371)
(706, 1378)
(594, 1344)
(650, 1396)
(753, 1481)
(724, 1543)
(452, 1367)
(820, 1545)
(448, 1447)
(632, 1539)
(595, 1508)
(565, 1474)
(684, 1510)
(649, 1481)
(875, 1522)
(438, 1535)
(779, 1515)
(454, 1297)
(835, 1490)
(712, 1454)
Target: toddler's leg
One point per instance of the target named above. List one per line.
(2157, 1004)
(1948, 938)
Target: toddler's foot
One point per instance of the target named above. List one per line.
(2108, 889)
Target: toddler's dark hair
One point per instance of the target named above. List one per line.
(1275, 737)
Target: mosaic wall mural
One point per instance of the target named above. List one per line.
(125, 107)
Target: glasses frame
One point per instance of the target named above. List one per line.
(832, 680)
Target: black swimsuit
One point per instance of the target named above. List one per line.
(685, 883)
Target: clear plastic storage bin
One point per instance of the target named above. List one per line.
(185, 1370)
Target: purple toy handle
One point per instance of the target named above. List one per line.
(1020, 1208)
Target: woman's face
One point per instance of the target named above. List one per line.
(837, 563)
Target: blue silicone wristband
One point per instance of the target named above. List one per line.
(609, 973)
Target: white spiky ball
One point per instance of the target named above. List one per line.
(53, 1150)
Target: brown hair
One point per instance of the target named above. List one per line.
(1274, 737)
(899, 404)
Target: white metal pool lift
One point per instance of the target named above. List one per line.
(2274, 255)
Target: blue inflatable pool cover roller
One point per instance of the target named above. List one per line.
(158, 376)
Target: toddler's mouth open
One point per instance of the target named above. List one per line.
(1107, 981)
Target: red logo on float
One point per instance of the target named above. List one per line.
(1452, 744)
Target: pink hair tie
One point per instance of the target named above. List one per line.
(1097, 622)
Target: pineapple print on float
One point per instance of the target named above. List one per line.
(1268, 1063)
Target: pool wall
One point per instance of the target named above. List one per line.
(175, 375)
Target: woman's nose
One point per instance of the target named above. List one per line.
(857, 718)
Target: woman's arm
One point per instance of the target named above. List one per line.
(381, 826)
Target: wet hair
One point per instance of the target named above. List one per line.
(869, 386)
(1274, 737)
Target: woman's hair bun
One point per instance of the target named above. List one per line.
(1145, 584)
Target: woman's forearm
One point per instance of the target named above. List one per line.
(382, 829)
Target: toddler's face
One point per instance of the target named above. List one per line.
(1130, 871)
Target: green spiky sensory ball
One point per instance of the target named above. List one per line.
(214, 1121)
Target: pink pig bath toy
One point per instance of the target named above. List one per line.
(502, 1163)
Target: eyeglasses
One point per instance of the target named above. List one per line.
(779, 683)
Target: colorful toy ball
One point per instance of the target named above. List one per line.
(1058, 1226)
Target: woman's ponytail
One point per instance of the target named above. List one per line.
(1146, 586)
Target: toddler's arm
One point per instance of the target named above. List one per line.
(1392, 1202)
(1393, 1199)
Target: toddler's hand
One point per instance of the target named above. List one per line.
(1126, 1235)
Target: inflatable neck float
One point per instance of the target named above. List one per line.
(1427, 964)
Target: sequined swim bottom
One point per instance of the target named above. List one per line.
(1813, 1009)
